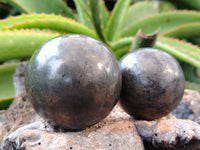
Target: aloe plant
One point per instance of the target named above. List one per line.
(21, 35)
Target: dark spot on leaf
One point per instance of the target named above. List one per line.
(168, 20)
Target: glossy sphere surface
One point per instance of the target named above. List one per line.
(152, 83)
(73, 81)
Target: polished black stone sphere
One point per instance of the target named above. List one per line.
(73, 81)
(152, 83)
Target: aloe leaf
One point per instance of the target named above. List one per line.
(94, 6)
(5, 102)
(189, 30)
(19, 44)
(126, 41)
(7, 92)
(122, 46)
(122, 51)
(138, 11)
(99, 15)
(45, 21)
(113, 28)
(165, 6)
(144, 40)
(104, 15)
(190, 72)
(181, 50)
(194, 4)
(164, 21)
(86, 1)
(84, 13)
(39, 6)
(192, 86)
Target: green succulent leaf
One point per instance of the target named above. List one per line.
(194, 4)
(122, 51)
(189, 30)
(116, 20)
(99, 16)
(5, 102)
(39, 6)
(84, 13)
(181, 50)
(7, 92)
(104, 15)
(165, 21)
(144, 40)
(190, 72)
(19, 44)
(165, 6)
(45, 21)
(123, 42)
(138, 11)
(192, 86)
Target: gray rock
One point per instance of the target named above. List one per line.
(22, 128)
(170, 134)
(115, 132)
(189, 108)
(18, 78)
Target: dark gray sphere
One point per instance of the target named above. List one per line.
(152, 83)
(73, 81)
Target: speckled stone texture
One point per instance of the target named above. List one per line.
(112, 136)
(170, 134)
(189, 108)
(116, 132)
(21, 128)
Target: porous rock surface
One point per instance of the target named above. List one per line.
(171, 133)
(21, 128)
(189, 107)
(115, 132)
